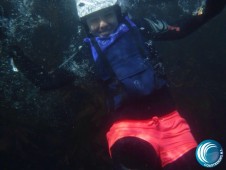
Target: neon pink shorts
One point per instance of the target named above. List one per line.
(169, 135)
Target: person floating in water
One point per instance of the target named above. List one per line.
(145, 129)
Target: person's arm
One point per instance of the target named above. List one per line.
(161, 30)
(37, 75)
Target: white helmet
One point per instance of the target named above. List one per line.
(86, 7)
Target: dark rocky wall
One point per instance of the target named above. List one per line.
(63, 128)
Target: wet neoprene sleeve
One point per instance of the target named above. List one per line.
(36, 74)
(161, 30)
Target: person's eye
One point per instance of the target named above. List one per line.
(108, 15)
(93, 20)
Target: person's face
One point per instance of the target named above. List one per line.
(102, 23)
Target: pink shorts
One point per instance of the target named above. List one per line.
(169, 135)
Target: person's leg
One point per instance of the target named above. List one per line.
(186, 162)
(134, 153)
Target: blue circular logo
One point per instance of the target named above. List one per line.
(209, 153)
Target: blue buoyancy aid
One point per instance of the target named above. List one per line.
(126, 60)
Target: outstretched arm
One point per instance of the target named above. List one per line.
(36, 74)
(161, 30)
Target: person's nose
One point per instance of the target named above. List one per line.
(103, 24)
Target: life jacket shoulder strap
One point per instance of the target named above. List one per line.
(102, 57)
(113, 78)
(137, 37)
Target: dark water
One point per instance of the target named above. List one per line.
(62, 129)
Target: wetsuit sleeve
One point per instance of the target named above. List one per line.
(37, 74)
(161, 30)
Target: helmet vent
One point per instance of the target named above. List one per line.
(81, 4)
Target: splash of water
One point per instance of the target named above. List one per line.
(22, 21)
(193, 7)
